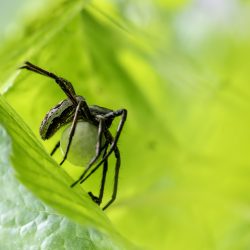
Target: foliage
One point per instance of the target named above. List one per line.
(184, 180)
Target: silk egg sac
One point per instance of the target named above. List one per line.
(83, 144)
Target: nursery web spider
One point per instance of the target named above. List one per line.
(74, 109)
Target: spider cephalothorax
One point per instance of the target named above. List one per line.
(75, 110)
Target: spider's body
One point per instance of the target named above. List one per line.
(73, 110)
(63, 114)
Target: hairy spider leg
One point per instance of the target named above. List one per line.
(55, 148)
(94, 198)
(98, 199)
(115, 186)
(71, 132)
(104, 174)
(64, 84)
(109, 139)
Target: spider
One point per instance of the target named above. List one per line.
(73, 110)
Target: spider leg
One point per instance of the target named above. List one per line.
(98, 152)
(55, 148)
(123, 114)
(94, 198)
(64, 84)
(93, 170)
(117, 169)
(98, 200)
(38, 70)
(104, 174)
(72, 132)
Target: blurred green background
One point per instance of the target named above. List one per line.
(182, 70)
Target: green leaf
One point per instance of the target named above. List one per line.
(30, 221)
(182, 71)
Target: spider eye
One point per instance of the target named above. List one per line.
(83, 145)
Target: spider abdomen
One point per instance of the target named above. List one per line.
(57, 117)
